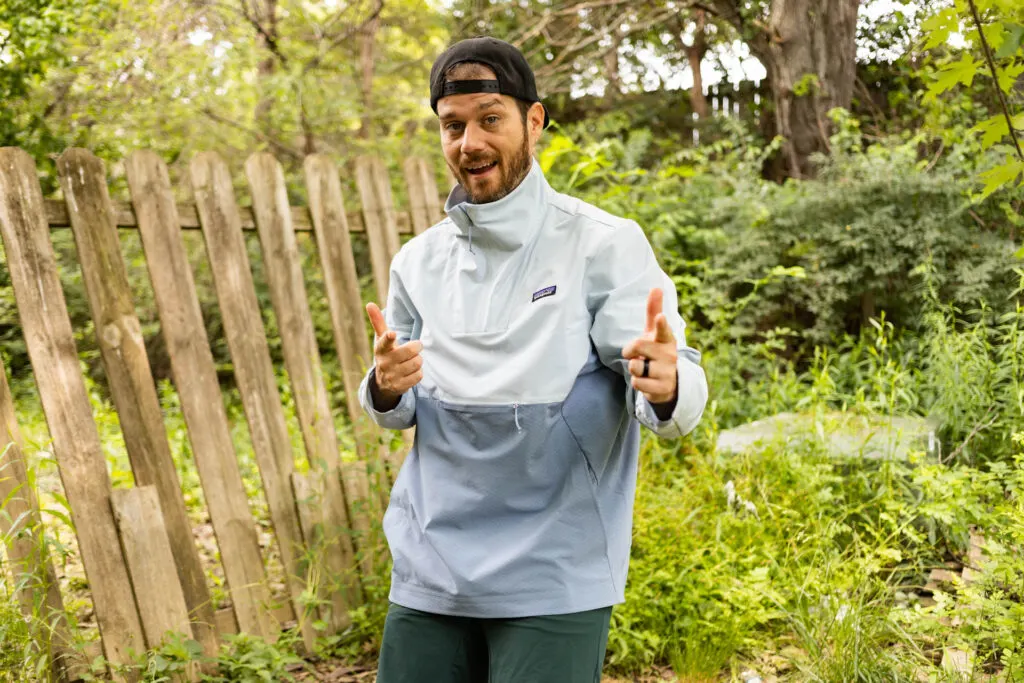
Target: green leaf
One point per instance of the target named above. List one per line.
(995, 128)
(1011, 40)
(1001, 175)
(1008, 76)
(961, 72)
(938, 27)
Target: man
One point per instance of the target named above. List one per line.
(526, 336)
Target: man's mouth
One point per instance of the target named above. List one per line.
(480, 169)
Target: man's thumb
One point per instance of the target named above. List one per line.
(380, 326)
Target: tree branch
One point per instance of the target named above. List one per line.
(339, 39)
(268, 39)
(995, 77)
(276, 144)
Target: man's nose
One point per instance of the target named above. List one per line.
(472, 140)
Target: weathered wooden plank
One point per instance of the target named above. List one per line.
(283, 268)
(327, 208)
(84, 183)
(341, 573)
(250, 355)
(76, 441)
(188, 217)
(348, 317)
(35, 582)
(363, 510)
(425, 208)
(195, 377)
(378, 217)
(147, 550)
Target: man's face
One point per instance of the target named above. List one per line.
(486, 144)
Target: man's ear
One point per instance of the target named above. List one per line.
(535, 121)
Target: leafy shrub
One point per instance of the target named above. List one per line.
(858, 232)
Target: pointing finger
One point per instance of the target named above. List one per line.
(406, 351)
(647, 348)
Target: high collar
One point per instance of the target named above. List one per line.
(507, 223)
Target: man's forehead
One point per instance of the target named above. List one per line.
(456, 105)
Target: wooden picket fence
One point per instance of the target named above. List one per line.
(136, 544)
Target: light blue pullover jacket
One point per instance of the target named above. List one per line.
(517, 496)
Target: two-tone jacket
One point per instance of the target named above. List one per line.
(517, 496)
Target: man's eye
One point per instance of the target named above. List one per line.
(492, 120)
(453, 127)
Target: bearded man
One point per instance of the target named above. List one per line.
(527, 337)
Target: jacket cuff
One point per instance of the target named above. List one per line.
(692, 396)
(402, 416)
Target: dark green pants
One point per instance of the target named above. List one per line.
(429, 648)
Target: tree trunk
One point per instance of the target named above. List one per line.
(367, 42)
(809, 50)
(695, 55)
(265, 17)
(611, 69)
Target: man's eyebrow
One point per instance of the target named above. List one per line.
(483, 106)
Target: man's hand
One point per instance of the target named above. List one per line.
(658, 346)
(398, 368)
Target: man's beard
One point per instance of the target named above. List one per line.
(518, 166)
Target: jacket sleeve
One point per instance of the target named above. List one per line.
(402, 317)
(619, 278)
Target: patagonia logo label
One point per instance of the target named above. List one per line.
(541, 293)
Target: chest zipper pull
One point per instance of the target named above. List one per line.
(515, 407)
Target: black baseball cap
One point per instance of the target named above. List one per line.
(514, 75)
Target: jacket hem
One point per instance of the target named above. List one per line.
(500, 607)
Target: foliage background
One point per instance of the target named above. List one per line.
(888, 284)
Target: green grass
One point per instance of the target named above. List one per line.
(785, 559)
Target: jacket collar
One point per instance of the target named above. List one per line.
(505, 224)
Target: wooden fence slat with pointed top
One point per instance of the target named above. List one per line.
(348, 318)
(382, 234)
(76, 441)
(83, 180)
(341, 280)
(35, 582)
(195, 377)
(378, 217)
(147, 550)
(254, 369)
(424, 207)
(283, 268)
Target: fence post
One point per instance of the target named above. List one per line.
(83, 180)
(254, 371)
(379, 220)
(147, 550)
(348, 317)
(424, 203)
(195, 377)
(76, 441)
(298, 341)
(382, 235)
(35, 582)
